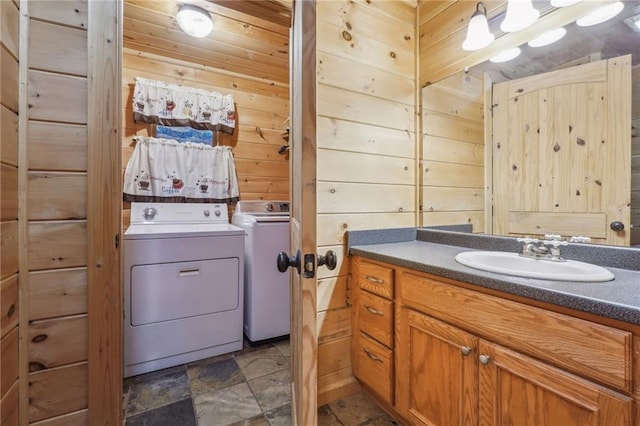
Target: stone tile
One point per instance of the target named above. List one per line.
(226, 406)
(273, 390)
(149, 376)
(281, 416)
(262, 362)
(382, 421)
(179, 413)
(284, 347)
(213, 374)
(254, 421)
(157, 390)
(326, 417)
(355, 409)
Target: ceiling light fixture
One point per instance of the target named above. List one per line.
(601, 14)
(194, 20)
(506, 55)
(548, 37)
(478, 35)
(520, 15)
(563, 3)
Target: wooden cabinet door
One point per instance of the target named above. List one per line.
(437, 372)
(518, 390)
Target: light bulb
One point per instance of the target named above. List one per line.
(520, 15)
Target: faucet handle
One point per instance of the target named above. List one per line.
(555, 243)
(580, 239)
(553, 237)
(527, 240)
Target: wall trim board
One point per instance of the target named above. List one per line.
(104, 213)
(23, 203)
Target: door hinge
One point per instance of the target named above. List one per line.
(117, 240)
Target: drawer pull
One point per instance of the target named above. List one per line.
(372, 355)
(373, 279)
(189, 272)
(466, 350)
(484, 359)
(374, 311)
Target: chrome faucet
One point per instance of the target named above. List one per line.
(537, 249)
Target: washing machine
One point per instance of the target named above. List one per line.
(267, 291)
(183, 285)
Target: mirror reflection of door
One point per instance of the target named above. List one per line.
(561, 153)
(304, 354)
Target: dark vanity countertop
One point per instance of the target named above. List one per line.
(433, 251)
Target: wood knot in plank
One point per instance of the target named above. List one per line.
(580, 142)
(39, 338)
(556, 147)
(346, 35)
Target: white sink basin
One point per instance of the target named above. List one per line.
(520, 266)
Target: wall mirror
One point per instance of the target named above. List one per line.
(526, 146)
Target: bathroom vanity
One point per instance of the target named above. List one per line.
(439, 343)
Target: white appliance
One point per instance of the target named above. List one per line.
(267, 292)
(183, 285)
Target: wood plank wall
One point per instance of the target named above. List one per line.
(366, 53)
(262, 112)
(453, 152)
(56, 334)
(9, 280)
(635, 155)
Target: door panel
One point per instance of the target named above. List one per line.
(304, 354)
(561, 146)
(518, 390)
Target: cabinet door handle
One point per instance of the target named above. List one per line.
(373, 279)
(374, 311)
(466, 350)
(372, 355)
(484, 359)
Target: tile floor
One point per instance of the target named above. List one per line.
(249, 387)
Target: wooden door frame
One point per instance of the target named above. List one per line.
(104, 212)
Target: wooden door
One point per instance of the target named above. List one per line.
(518, 390)
(561, 153)
(304, 354)
(437, 375)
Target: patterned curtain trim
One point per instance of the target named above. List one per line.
(152, 199)
(157, 102)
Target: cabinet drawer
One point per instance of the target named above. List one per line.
(598, 352)
(375, 317)
(374, 366)
(376, 279)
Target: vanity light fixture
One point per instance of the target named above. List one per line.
(520, 15)
(194, 20)
(601, 14)
(506, 55)
(548, 37)
(478, 35)
(563, 3)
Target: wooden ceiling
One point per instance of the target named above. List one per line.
(248, 37)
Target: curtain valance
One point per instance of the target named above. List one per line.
(157, 102)
(165, 170)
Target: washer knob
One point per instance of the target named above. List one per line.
(149, 213)
(207, 213)
(269, 207)
(217, 213)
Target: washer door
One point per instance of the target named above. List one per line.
(169, 291)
